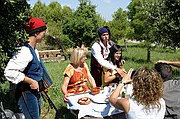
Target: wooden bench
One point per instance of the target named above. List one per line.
(51, 55)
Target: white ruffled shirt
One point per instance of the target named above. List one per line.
(17, 64)
(96, 52)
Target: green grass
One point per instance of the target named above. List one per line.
(135, 57)
(56, 70)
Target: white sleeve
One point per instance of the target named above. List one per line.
(96, 52)
(17, 64)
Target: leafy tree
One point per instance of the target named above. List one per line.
(101, 22)
(66, 12)
(120, 26)
(143, 26)
(39, 10)
(82, 27)
(54, 15)
(156, 22)
(165, 14)
(54, 12)
(12, 20)
(56, 38)
(137, 20)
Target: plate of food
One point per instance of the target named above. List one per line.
(84, 101)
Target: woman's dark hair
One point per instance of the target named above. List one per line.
(165, 70)
(113, 50)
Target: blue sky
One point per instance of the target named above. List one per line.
(104, 7)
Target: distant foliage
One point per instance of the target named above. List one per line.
(165, 15)
(120, 26)
(82, 27)
(155, 22)
(55, 16)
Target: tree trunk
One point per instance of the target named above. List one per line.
(148, 54)
(125, 42)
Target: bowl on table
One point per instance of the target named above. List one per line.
(95, 90)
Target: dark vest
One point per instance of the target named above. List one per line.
(96, 68)
(33, 70)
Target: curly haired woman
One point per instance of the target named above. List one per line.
(146, 101)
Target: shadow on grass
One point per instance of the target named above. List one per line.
(8, 100)
(64, 113)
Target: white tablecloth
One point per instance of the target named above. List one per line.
(99, 107)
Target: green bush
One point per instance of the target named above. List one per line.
(12, 20)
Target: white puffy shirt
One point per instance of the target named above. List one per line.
(136, 111)
(17, 64)
(96, 52)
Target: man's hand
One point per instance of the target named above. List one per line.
(34, 85)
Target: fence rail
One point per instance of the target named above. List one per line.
(51, 55)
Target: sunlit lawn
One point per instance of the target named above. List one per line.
(135, 57)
